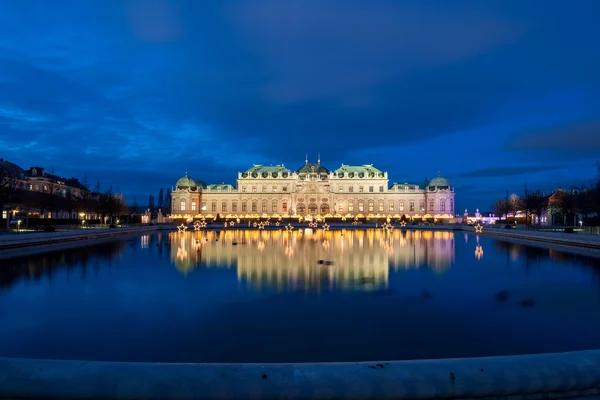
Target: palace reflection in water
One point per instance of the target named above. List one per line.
(313, 259)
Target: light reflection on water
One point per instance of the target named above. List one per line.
(312, 259)
(273, 296)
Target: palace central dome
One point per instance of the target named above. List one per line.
(186, 183)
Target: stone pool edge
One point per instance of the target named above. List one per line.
(537, 376)
(34, 243)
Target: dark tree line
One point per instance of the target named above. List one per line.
(104, 204)
(163, 202)
(563, 205)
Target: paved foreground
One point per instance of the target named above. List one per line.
(541, 376)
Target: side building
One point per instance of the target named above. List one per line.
(313, 190)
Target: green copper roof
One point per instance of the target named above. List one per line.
(361, 171)
(404, 186)
(222, 186)
(264, 171)
(312, 168)
(186, 183)
(439, 181)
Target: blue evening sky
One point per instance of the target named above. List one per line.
(493, 94)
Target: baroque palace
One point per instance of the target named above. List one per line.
(313, 190)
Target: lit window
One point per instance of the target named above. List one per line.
(350, 206)
(264, 206)
(244, 206)
(371, 189)
(340, 188)
(224, 206)
(193, 206)
(254, 188)
(234, 206)
(391, 206)
(243, 188)
(213, 206)
(401, 206)
(284, 206)
(422, 205)
(412, 206)
(381, 189)
(431, 205)
(254, 206)
(182, 205)
(360, 188)
(203, 208)
(380, 205)
(371, 205)
(361, 206)
(274, 188)
(274, 206)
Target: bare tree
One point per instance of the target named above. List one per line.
(501, 208)
(135, 207)
(537, 203)
(151, 204)
(527, 203)
(514, 205)
(83, 202)
(160, 199)
(566, 207)
(8, 186)
(167, 202)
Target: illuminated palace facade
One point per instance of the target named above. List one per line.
(313, 190)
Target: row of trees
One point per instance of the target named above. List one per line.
(163, 203)
(563, 206)
(59, 198)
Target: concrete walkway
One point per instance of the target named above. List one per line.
(571, 239)
(543, 376)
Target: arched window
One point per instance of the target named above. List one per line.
(301, 208)
(442, 204)
(264, 206)
(312, 209)
(381, 206)
(274, 206)
(371, 205)
(324, 208)
(361, 206)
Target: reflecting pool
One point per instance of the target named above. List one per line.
(300, 296)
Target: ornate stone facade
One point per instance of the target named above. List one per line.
(313, 190)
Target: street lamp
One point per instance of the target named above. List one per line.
(18, 225)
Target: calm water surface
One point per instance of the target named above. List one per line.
(270, 296)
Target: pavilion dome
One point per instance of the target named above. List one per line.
(439, 181)
(186, 183)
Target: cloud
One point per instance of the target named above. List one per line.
(498, 172)
(158, 87)
(314, 49)
(581, 137)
